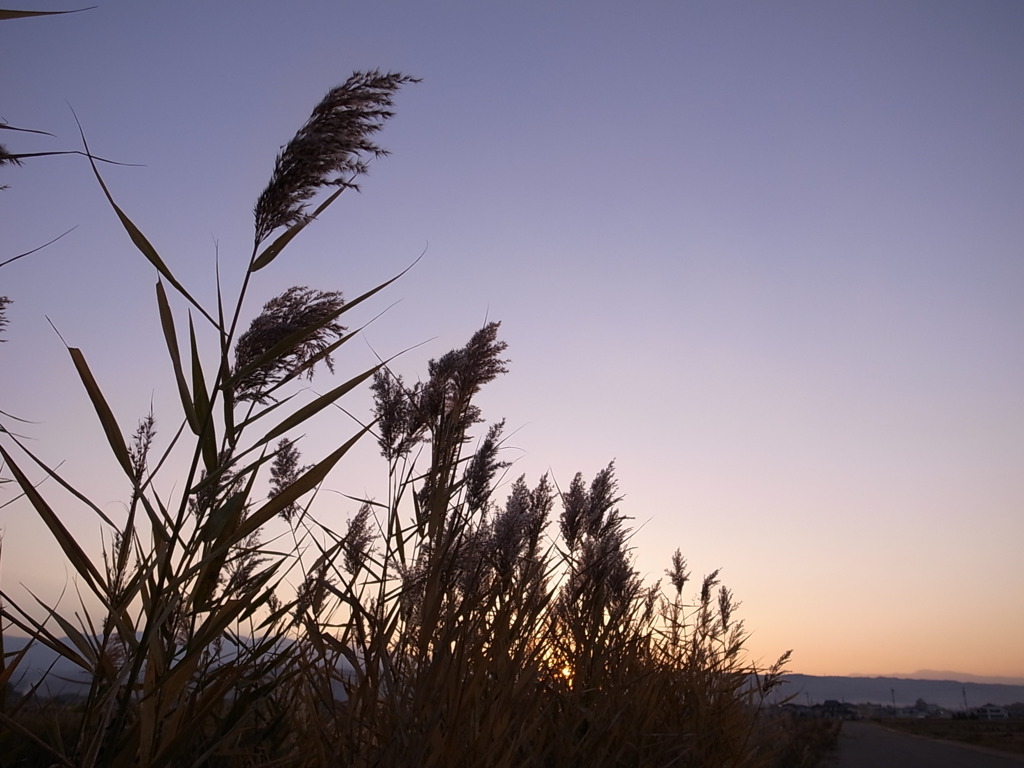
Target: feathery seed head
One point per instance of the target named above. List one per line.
(358, 544)
(331, 149)
(398, 428)
(307, 316)
(710, 582)
(457, 376)
(284, 471)
(574, 511)
(4, 301)
(678, 573)
(482, 468)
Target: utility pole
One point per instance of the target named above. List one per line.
(892, 692)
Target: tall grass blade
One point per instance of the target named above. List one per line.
(171, 338)
(115, 439)
(140, 241)
(87, 658)
(38, 247)
(75, 554)
(239, 428)
(374, 291)
(7, 668)
(310, 409)
(217, 529)
(6, 127)
(272, 251)
(52, 473)
(6, 15)
(302, 485)
(201, 402)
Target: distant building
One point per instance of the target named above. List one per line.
(837, 710)
(831, 710)
(992, 712)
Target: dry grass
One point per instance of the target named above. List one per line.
(442, 628)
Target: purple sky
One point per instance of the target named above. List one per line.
(769, 257)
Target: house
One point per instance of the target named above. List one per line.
(992, 712)
(838, 710)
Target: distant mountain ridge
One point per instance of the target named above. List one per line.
(960, 677)
(64, 678)
(905, 691)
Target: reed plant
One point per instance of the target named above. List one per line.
(442, 627)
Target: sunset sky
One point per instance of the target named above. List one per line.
(767, 256)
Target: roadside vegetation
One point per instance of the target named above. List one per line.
(440, 626)
(1004, 735)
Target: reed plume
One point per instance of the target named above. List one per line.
(301, 311)
(4, 301)
(330, 150)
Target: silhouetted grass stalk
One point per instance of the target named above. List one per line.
(440, 628)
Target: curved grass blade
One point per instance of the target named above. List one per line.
(72, 550)
(259, 415)
(12, 416)
(283, 347)
(52, 472)
(7, 14)
(272, 251)
(306, 482)
(141, 243)
(6, 127)
(171, 337)
(7, 668)
(37, 248)
(114, 436)
(357, 301)
(201, 401)
(309, 364)
(317, 405)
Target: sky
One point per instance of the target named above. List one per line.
(767, 257)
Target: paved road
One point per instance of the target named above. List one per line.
(866, 745)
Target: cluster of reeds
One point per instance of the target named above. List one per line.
(801, 742)
(442, 627)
